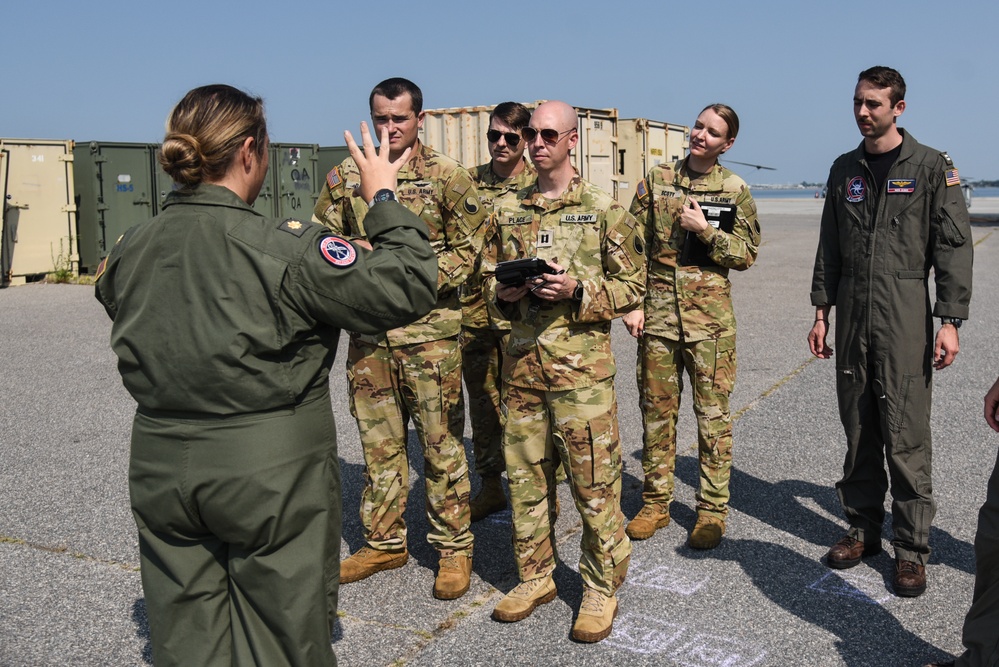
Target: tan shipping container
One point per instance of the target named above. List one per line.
(460, 133)
(38, 227)
(643, 144)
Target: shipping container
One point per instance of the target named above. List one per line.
(38, 233)
(460, 133)
(116, 188)
(296, 177)
(265, 203)
(643, 144)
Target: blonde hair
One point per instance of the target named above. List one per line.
(728, 115)
(205, 131)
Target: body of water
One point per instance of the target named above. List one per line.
(805, 193)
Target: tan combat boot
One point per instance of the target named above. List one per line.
(707, 532)
(648, 520)
(366, 561)
(524, 599)
(490, 498)
(596, 616)
(454, 575)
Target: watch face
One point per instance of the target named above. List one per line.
(384, 195)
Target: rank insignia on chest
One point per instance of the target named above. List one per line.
(578, 217)
(901, 186)
(337, 251)
(856, 190)
(545, 237)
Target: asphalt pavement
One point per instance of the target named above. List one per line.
(70, 591)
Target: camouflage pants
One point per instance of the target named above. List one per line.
(711, 365)
(578, 426)
(481, 362)
(387, 387)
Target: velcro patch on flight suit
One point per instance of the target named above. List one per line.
(951, 177)
(100, 269)
(901, 186)
(337, 251)
(293, 227)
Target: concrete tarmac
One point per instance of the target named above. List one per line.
(70, 591)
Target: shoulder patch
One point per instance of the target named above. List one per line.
(295, 227)
(100, 269)
(334, 179)
(337, 251)
(951, 177)
(471, 205)
(643, 190)
(639, 246)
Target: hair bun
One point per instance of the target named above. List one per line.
(181, 158)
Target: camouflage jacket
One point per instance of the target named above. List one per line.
(491, 188)
(693, 303)
(566, 344)
(441, 192)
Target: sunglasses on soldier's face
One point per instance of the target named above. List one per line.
(548, 135)
(512, 138)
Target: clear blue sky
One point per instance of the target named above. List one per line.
(111, 71)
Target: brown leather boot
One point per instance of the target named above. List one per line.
(849, 551)
(910, 579)
(366, 561)
(490, 498)
(454, 575)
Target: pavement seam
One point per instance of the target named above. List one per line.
(426, 637)
(64, 551)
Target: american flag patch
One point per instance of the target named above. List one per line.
(333, 178)
(951, 177)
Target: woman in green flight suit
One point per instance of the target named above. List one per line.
(225, 328)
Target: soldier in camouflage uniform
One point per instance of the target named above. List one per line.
(483, 337)
(413, 371)
(558, 370)
(688, 321)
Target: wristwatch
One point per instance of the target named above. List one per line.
(382, 195)
(577, 294)
(952, 320)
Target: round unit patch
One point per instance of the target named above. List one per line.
(337, 251)
(856, 190)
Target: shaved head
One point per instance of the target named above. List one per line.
(557, 115)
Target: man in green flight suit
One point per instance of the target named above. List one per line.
(893, 211)
(413, 370)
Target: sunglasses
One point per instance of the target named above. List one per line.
(548, 135)
(512, 138)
